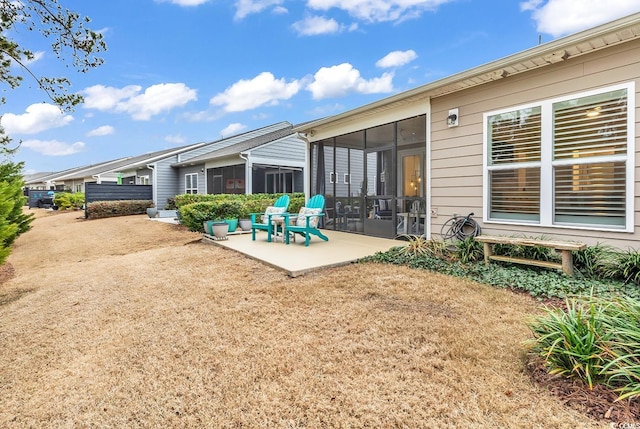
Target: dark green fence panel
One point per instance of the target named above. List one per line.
(113, 192)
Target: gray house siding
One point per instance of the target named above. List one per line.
(165, 181)
(288, 149)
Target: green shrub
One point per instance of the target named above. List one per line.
(193, 215)
(625, 266)
(593, 260)
(253, 203)
(68, 200)
(103, 209)
(469, 250)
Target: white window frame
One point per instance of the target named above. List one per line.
(189, 179)
(547, 163)
(143, 180)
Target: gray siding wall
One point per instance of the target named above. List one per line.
(287, 149)
(166, 182)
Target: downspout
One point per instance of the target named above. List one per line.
(98, 179)
(248, 170)
(307, 166)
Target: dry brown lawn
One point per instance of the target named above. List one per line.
(125, 322)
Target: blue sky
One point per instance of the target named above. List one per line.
(184, 71)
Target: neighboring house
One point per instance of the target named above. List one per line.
(72, 179)
(542, 142)
(129, 170)
(269, 159)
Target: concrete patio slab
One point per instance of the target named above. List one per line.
(296, 259)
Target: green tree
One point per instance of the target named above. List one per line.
(71, 41)
(13, 221)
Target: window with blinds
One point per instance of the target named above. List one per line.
(589, 151)
(515, 139)
(565, 162)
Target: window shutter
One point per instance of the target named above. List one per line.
(591, 194)
(591, 126)
(515, 136)
(515, 194)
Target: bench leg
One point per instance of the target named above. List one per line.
(488, 251)
(567, 262)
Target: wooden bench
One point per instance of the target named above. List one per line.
(565, 247)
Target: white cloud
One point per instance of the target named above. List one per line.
(379, 11)
(175, 139)
(560, 17)
(247, 7)
(38, 117)
(53, 147)
(106, 98)
(314, 25)
(157, 99)
(340, 80)
(232, 129)
(104, 130)
(141, 106)
(397, 59)
(263, 89)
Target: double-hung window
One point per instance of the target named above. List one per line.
(566, 162)
(191, 183)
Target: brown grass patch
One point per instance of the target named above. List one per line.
(133, 324)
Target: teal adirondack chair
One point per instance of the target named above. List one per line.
(307, 224)
(258, 224)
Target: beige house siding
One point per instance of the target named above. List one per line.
(456, 153)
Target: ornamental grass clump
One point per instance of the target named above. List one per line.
(623, 371)
(595, 340)
(571, 341)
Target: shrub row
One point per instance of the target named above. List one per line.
(197, 208)
(102, 209)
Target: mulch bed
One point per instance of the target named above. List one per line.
(598, 403)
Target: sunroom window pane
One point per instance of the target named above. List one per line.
(590, 126)
(515, 194)
(592, 194)
(515, 136)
